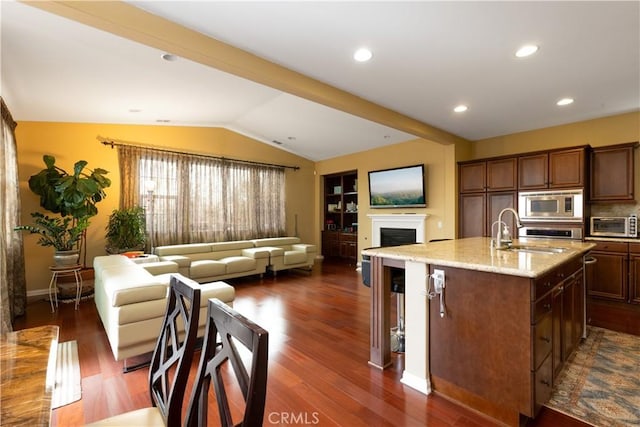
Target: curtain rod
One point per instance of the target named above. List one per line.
(115, 143)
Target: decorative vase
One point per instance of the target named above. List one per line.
(62, 258)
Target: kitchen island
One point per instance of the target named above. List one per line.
(499, 331)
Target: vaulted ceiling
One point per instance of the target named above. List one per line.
(283, 71)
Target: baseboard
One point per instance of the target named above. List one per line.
(37, 294)
(423, 385)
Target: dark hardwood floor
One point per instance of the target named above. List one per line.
(318, 324)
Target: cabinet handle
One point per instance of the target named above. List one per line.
(547, 284)
(546, 339)
(547, 307)
(545, 382)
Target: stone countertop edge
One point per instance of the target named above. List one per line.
(475, 253)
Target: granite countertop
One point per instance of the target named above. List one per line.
(475, 253)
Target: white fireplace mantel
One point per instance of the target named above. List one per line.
(410, 221)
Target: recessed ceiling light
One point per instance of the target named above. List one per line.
(134, 110)
(163, 120)
(362, 55)
(169, 57)
(461, 109)
(526, 50)
(565, 101)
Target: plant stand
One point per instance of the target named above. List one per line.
(64, 271)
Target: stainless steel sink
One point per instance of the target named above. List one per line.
(538, 249)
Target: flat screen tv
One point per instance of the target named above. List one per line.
(397, 188)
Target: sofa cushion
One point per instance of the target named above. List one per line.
(275, 241)
(182, 260)
(238, 264)
(236, 245)
(137, 312)
(221, 290)
(304, 247)
(124, 290)
(206, 268)
(161, 267)
(294, 257)
(190, 248)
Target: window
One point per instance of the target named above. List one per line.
(202, 199)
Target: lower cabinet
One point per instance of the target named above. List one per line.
(557, 323)
(338, 244)
(613, 287)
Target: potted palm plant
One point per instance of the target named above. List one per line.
(71, 195)
(126, 230)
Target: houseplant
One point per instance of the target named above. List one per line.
(61, 233)
(71, 195)
(126, 230)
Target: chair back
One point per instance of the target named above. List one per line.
(172, 357)
(233, 328)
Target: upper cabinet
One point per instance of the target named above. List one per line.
(612, 173)
(490, 175)
(552, 169)
(486, 187)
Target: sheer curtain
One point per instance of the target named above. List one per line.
(202, 199)
(13, 287)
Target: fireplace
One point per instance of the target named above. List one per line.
(414, 222)
(397, 236)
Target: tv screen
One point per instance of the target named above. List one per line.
(397, 188)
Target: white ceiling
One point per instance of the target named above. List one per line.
(428, 58)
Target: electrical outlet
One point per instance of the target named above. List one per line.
(438, 280)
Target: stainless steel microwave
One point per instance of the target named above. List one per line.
(614, 226)
(560, 205)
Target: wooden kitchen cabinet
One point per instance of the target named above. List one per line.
(608, 277)
(612, 173)
(552, 169)
(490, 175)
(613, 287)
(510, 349)
(634, 273)
(486, 187)
(472, 215)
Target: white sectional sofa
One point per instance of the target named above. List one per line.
(287, 252)
(131, 300)
(131, 297)
(205, 262)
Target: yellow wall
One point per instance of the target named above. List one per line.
(597, 132)
(440, 162)
(70, 142)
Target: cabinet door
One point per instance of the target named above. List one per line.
(578, 308)
(608, 276)
(566, 168)
(556, 330)
(495, 203)
(533, 171)
(634, 278)
(612, 172)
(473, 177)
(568, 316)
(331, 243)
(501, 174)
(472, 215)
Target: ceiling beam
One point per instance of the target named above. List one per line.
(135, 24)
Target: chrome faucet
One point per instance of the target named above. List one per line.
(501, 234)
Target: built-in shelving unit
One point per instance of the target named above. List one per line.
(340, 234)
